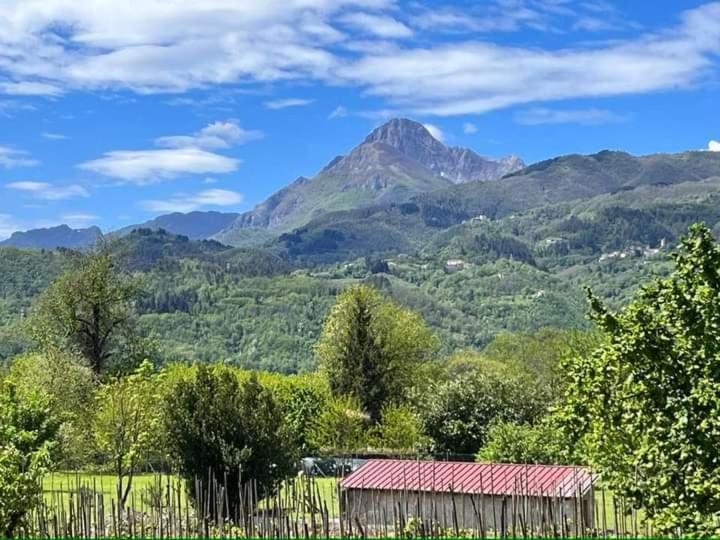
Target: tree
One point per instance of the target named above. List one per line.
(236, 430)
(127, 424)
(456, 414)
(342, 427)
(400, 430)
(69, 387)
(89, 310)
(539, 354)
(370, 347)
(515, 442)
(647, 402)
(27, 434)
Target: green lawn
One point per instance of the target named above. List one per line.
(57, 486)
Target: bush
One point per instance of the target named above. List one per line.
(236, 430)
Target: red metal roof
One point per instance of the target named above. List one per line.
(476, 478)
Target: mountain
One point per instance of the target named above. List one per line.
(194, 225)
(55, 237)
(396, 161)
(560, 185)
(456, 164)
(567, 178)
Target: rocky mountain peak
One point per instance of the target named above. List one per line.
(405, 135)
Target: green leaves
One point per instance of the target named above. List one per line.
(370, 348)
(647, 402)
(27, 433)
(214, 422)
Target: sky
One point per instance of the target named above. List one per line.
(113, 112)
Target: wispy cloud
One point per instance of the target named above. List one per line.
(190, 202)
(181, 155)
(475, 76)
(435, 131)
(588, 117)
(149, 166)
(150, 47)
(11, 157)
(338, 112)
(469, 128)
(216, 135)
(47, 191)
(289, 102)
(54, 136)
(379, 25)
(29, 88)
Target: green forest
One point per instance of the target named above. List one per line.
(633, 394)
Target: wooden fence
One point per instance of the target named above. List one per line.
(306, 507)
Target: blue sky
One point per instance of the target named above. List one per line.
(112, 112)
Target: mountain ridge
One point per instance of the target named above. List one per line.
(61, 236)
(396, 161)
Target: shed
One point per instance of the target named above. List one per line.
(468, 496)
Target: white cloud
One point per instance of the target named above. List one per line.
(54, 136)
(378, 25)
(475, 76)
(469, 128)
(148, 166)
(156, 45)
(216, 135)
(713, 146)
(10, 157)
(435, 131)
(338, 112)
(183, 154)
(47, 191)
(588, 117)
(29, 88)
(289, 102)
(188, 203)
(47, 46)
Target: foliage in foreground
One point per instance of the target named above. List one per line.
(236, 430)
(647, 403)
(27, 433)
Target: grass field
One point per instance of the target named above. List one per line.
(57, 486)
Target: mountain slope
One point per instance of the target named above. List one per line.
(556, 188)
(54, 237)
(567, 178)
(194, 225)
(396, 161)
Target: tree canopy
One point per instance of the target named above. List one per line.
(89, 310)
(647, 403)
(370, 348)
(236, 430)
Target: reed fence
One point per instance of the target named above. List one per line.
(305, 508)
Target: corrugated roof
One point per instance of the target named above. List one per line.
(476, 478)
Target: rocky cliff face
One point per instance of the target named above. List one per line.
(414, 141)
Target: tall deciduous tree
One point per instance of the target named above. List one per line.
(647, 402)
(370, 348)
(235, 430)
(89, 310)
